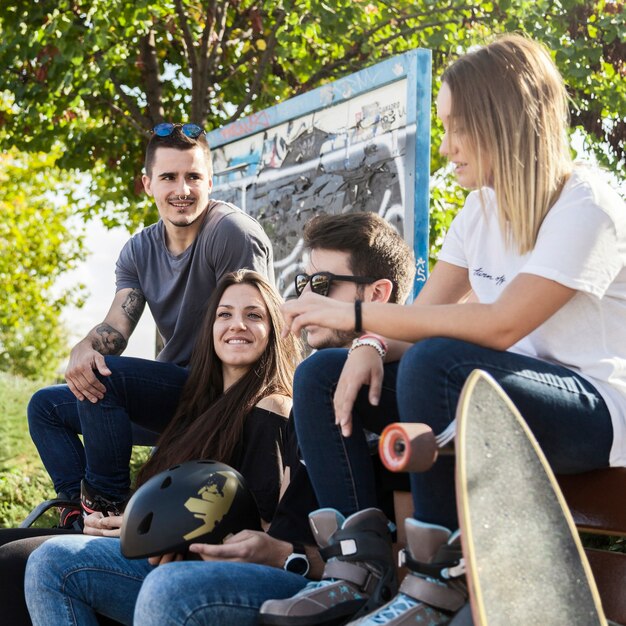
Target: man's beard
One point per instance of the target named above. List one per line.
(336, 339)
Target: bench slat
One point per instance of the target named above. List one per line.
(597, 500)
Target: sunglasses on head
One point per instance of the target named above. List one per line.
(167, 128)
(321, 282)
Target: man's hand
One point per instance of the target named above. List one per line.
(247, 546)
(313, 309)
(98, 525)
(363, 367)
(80, 376)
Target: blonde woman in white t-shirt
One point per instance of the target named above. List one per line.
(541, 244)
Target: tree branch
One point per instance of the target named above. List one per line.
(187, 40)
(266, 59)
(355, 49)
(118, 112)
(212, 41)
(244, 59)
(152, 81)
(131, 106)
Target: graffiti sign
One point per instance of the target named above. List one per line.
(358, 144)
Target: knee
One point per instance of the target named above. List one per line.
(433, 357)
(116, 379)
(319, 371)
(155, 590)
(42, 567)
(39, 405)
(157, 597)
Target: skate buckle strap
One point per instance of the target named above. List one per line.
(360, 545)
(350, 572)
(433, 593)
(442, 570)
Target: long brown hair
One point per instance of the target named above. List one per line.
(510, 101)
(208, 423)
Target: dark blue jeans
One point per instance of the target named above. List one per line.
(141, 398)
(564, 411)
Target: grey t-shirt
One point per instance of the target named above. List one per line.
(177, 288)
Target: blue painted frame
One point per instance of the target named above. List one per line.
(415, 67)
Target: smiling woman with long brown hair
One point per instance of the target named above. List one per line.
(233, 409)
(240, 378)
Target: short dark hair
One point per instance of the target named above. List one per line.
(179, 141)
(374, 247)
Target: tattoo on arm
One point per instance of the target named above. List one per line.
(107, 340)
(133, 305)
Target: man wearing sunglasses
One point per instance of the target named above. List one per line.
(355, 256)
(173, 266)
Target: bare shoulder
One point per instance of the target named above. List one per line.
(276, 403)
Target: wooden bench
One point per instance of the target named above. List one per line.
(597, 501)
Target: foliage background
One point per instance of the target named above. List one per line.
(86, 80)
(37, 245)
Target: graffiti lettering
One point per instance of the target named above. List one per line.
(250, 124)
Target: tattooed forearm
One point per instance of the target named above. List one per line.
(133, 305)
(107, 340)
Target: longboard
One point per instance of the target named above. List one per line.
(524, 561)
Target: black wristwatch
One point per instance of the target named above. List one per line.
(297, 562)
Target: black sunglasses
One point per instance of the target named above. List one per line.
(321, 282)
(167, 128)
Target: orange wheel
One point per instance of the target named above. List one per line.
(408, 447)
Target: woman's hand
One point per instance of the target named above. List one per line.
(311, 309)
(98, 525)
(363, 367)
(162, 559)
(247, 546)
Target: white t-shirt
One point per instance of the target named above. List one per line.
(582, 245)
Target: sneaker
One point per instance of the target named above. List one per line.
(70, 515)
(92, 502)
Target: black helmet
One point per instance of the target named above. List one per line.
(196, 501)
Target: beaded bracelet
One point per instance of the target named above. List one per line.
(368, 341)
(378, 338)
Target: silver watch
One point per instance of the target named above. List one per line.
(297, 562)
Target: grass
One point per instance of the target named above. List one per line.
(24, 482)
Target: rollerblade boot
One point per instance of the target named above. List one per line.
(359, 574)
(434, 588)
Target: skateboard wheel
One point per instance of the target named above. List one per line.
(408, 447)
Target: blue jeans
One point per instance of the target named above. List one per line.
(69, 579)
(564, 411)
(141, 396)
(340, 468)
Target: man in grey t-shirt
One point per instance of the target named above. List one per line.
(173, 266)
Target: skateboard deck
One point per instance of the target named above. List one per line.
(524, 562)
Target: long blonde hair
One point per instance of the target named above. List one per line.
(511, 102)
